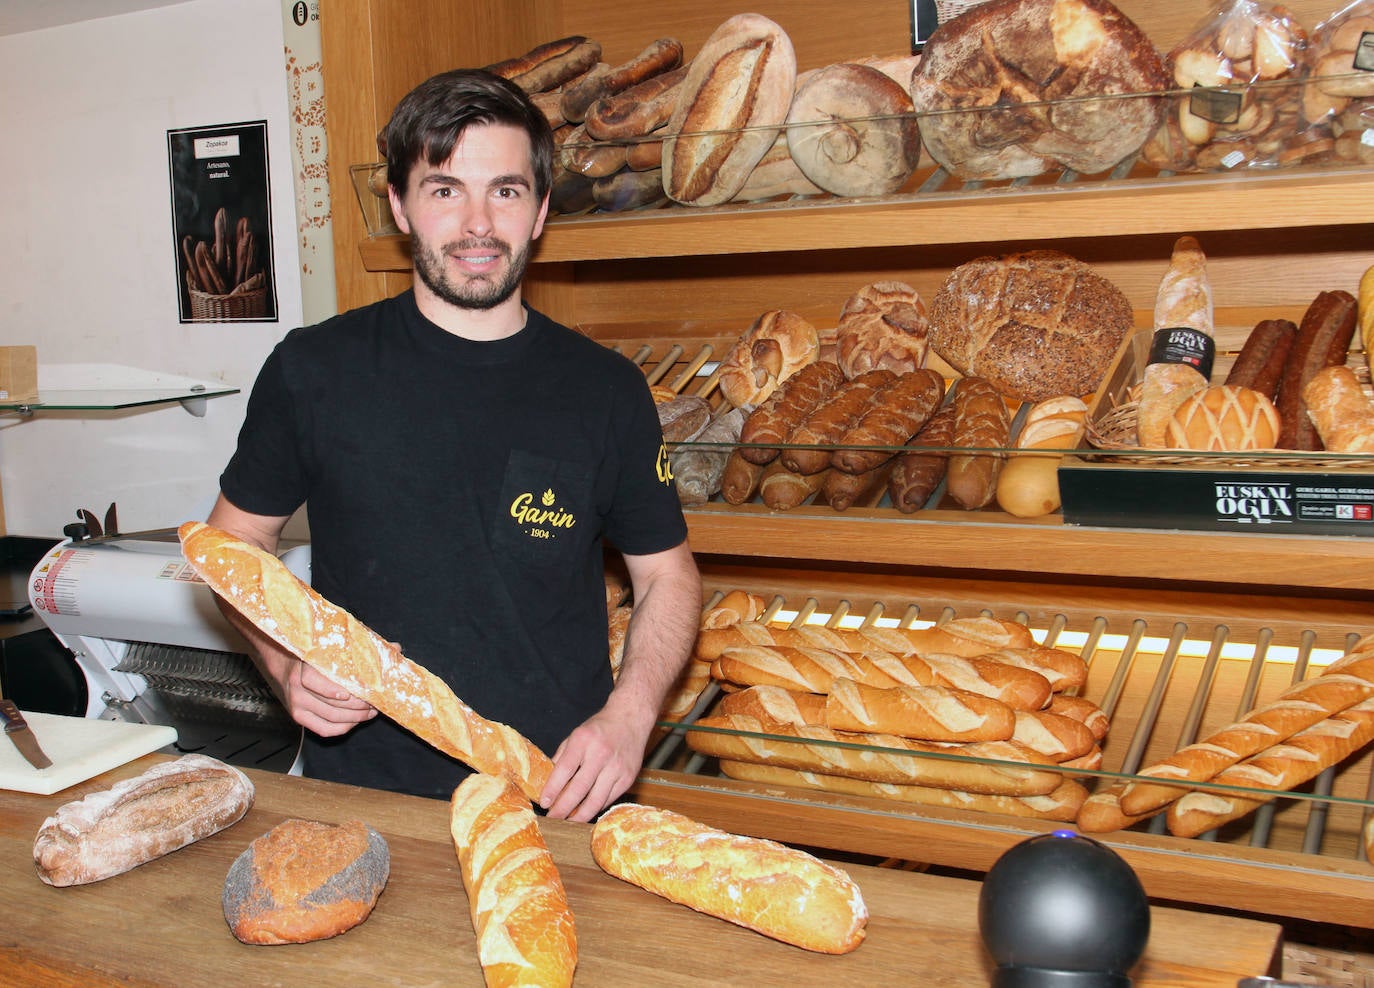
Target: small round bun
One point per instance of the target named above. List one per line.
(304, 880)
(1224, 417)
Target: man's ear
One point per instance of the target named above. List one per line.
(539, 221)
(398, 208)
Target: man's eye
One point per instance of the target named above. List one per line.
(443, 192)
(508, 192)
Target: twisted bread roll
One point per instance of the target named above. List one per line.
(773, 421)
(814, 669)
(1283, 766)
(884, 757)
(525, 930)
(1061, 804)
(967, 637)
(897, 414)
(1345, 684)
(827, 423)
(981, 422)
(917, 473)
(340, 646)
(765, 886)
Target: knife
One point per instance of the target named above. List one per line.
(17, 730)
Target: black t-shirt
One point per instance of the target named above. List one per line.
(457, 494)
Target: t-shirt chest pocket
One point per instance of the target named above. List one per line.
(546, 510)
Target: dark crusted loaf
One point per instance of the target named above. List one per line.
(304, 880)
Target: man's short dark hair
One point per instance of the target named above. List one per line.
(430, 119)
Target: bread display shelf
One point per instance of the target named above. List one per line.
(944, 210)
(1165, 677)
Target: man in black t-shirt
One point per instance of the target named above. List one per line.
(462, 458)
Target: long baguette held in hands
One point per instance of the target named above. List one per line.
(776, 890)
(293, 615)
(525, 930)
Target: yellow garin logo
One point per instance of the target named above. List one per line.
(663, 467)
(523, 510)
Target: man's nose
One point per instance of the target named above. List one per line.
(477, 218)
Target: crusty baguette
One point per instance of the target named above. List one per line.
(814, 669)
(1053, 735)
(883, 757)
(925, 713)
(961, 636)
(981, 423)
(355, 657)
(1283, 766)
(1346, 683)
(520, 913)
(779, 891)
(1082, 710)
(1063, 669)
(1061, 804)
(109, 832)
(1184, 296)
(1101, 812)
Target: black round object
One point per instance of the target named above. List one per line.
(1063, 911)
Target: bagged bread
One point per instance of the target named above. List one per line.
(1232, 108)
(1338, 100)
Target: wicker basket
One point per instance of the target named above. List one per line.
(228, 308)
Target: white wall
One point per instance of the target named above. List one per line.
(86, 250)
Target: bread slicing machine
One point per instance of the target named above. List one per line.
(154, 648)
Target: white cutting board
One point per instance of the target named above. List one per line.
(80, 748)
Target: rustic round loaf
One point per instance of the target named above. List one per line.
(304, 880)
(882, 325)
(1035, 324)
(1040, 63)
(775, 347)
(1224, 417)
(730, 109)
(851, 130)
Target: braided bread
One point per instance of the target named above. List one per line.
(293, 615)
(525, 930)
(776, 890)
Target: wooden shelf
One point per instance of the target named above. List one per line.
(1254, 201)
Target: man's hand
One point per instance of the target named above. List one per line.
(594, 765)
(316, 702)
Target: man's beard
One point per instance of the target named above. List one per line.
(474, 293)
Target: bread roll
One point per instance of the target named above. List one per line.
(293, 615)
(897, 413)
(1163, 388)
(918, 473)
(1035, 324)
(776, 890)
(981, 425)
(698, 469)
(305, 880)
(777, 345)
(771, 423)
(525, 930)
(1341, 411)
(730, 110)
(683, 417)
(883, 324)
(810, 444)
(169, 806)
(1224, 417)
(851, 130)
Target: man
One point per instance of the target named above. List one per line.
(461, 458)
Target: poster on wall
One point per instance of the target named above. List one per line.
(222, 223)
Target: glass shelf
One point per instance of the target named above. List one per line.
(111, 399)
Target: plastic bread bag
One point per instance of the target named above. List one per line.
(1238, 90)
(1338, 102)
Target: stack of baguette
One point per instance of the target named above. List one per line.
(887, 712)
(1310, 727)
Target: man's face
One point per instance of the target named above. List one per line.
(472, 219)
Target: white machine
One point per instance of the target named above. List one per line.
(154, 648)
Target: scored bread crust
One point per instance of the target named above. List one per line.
(326, 636)
(1036, 324)
(136, 820)
(1040, 63)
(525, 930)
(760, 884)
(962, 636)
(883, 324)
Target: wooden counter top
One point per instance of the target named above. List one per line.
(161, 924)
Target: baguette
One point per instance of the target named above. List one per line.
(779, 891)
(1055, 736)
(844, 490)
(1083, 710)
(877, 757)
(1101, 812)
(981, 422)
(814, 669)
(968, 637)
(525, 930)
(740, 481)
(829, 421)
(782, 489)
(581, 95)
(1345, 684)
(897, 413)
(549, 65)
(292, 614)
(112, 831)
(1283, 766)
(1064, 670)
(925, 713)
(1060, 804)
